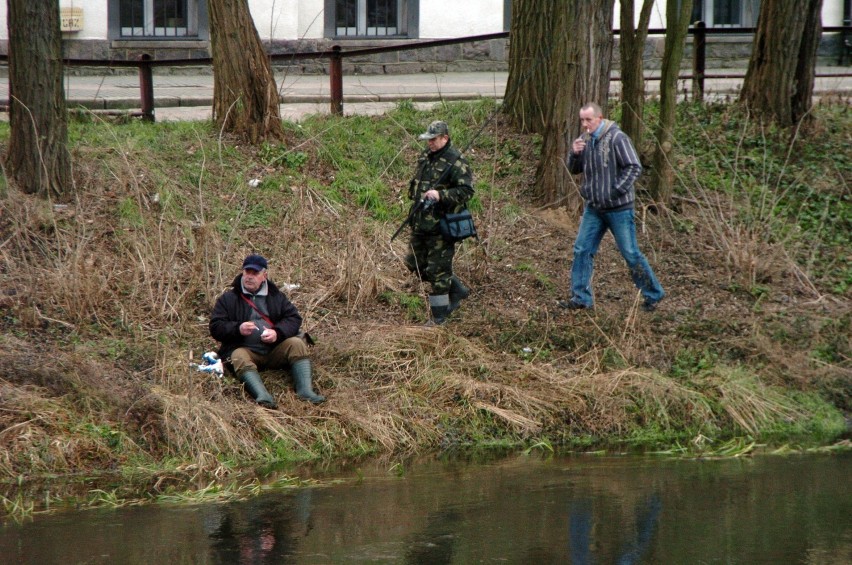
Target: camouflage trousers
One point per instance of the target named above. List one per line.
(431, 259)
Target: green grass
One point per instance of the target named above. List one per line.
(414, 306)
(781, 194)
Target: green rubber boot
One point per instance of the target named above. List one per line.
(254, 386)
(302, 374)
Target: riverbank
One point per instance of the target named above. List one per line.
(105, 303)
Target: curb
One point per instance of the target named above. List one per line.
(131, 103)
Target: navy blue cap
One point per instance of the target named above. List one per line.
(255, 262)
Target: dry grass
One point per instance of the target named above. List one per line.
(35, 436)
(750, 404)
(105, 301)
(618, 398)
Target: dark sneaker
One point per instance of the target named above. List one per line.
(572, 305)
(649, 306)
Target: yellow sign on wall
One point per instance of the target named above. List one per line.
(70, 19)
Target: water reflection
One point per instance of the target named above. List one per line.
(580, 510)
(265, 530)
(640, 533)
(435, 543)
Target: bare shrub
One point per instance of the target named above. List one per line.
(361, 271)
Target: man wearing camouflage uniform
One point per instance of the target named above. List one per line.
(444, 182)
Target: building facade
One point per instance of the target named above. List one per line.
(179, 29)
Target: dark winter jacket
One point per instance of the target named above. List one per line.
(455, 188)
(610, 166)
(231, 310)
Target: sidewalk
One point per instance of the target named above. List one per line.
(191, 97)
(187, 97)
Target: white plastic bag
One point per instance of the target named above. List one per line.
(210, 363)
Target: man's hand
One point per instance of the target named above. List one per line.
(247, 328)
(268, 336)
(432, 195)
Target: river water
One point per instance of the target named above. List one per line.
(579, 509)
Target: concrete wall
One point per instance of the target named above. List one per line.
(94, 19)
(457, 18)
(287, 19)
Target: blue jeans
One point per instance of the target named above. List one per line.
(592, 229)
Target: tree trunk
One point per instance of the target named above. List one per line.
(529, 79)
(632, 49)
(805, 75)
(37, 160)
(560, 58)
(678, 14)
(245, 98)
(784, 46)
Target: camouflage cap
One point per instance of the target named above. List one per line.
(435, 129)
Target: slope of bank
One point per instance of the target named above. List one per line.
(105, 300)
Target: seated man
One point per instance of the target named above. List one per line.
(258, 328)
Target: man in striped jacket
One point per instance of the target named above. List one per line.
(609, 163)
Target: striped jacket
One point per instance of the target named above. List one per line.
(609, 168)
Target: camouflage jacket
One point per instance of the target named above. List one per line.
(455, 188)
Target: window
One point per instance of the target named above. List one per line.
(371, 18)
(366, 17)
(726, 13)
(158, 18)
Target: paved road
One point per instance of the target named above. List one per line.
(189, 96)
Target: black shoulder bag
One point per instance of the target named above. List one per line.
(458, 226)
